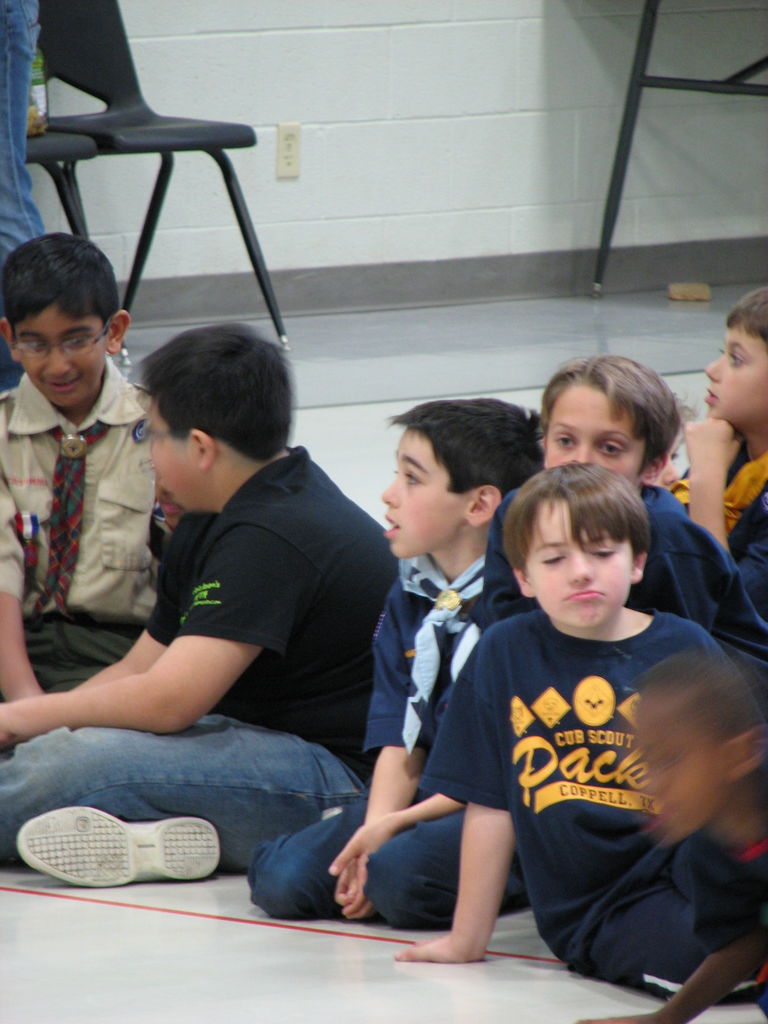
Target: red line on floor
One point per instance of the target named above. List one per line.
(246, 920)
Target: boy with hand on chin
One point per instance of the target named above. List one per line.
(397, 853)
(539, 741)
(727, 485)
(76, 571)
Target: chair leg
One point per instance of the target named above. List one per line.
(70, 178)
(624, 144)
(69, 197)
(148, 228)
(251, 241)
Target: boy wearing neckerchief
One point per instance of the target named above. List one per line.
(395, 853)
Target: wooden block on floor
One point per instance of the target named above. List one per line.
(690, 291)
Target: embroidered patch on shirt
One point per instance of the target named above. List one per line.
(27, 527)
(201, 594)
(32, 481)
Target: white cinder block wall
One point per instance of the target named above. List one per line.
(433, 129)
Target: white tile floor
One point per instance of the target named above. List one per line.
(200, 952)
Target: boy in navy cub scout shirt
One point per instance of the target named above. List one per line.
(539, 741)
(390, 854)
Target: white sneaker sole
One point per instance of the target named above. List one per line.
(83, 846)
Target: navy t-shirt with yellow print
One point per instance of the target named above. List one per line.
(541, 724)
(295, 567)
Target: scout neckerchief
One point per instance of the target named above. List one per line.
(740, 492)
(66, 513)
(421, 576)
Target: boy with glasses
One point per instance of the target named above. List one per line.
(76, 572)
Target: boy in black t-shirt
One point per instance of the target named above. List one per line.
(267, 600)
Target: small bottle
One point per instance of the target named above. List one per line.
(37, 111)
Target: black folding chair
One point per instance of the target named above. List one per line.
(85, 45)
(58, 153)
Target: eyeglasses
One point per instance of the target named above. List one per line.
(37, 348)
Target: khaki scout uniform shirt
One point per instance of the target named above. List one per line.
(113, 579)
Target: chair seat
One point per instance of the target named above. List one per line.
(54, 147)
(115, 132)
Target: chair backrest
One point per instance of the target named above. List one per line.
(85, 45)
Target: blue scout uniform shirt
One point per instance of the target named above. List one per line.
(393, 651)
(687, 572)
(748, 541)
(542, 724)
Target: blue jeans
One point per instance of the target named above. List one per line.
(19, 217)
(250, 783)
(413, 878)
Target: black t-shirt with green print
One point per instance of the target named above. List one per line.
(295, 567)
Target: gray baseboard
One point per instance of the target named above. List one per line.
(448, 282)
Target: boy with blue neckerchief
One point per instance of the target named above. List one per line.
(393, 853)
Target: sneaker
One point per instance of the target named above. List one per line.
(83, 846)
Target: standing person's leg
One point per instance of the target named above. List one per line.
(19, 217)
(289, 876)
(250, 783)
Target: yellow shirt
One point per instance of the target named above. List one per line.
(747, 483)
(114, 575)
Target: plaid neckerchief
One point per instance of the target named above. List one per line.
(66, 513)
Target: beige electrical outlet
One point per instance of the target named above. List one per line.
(288, 149)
